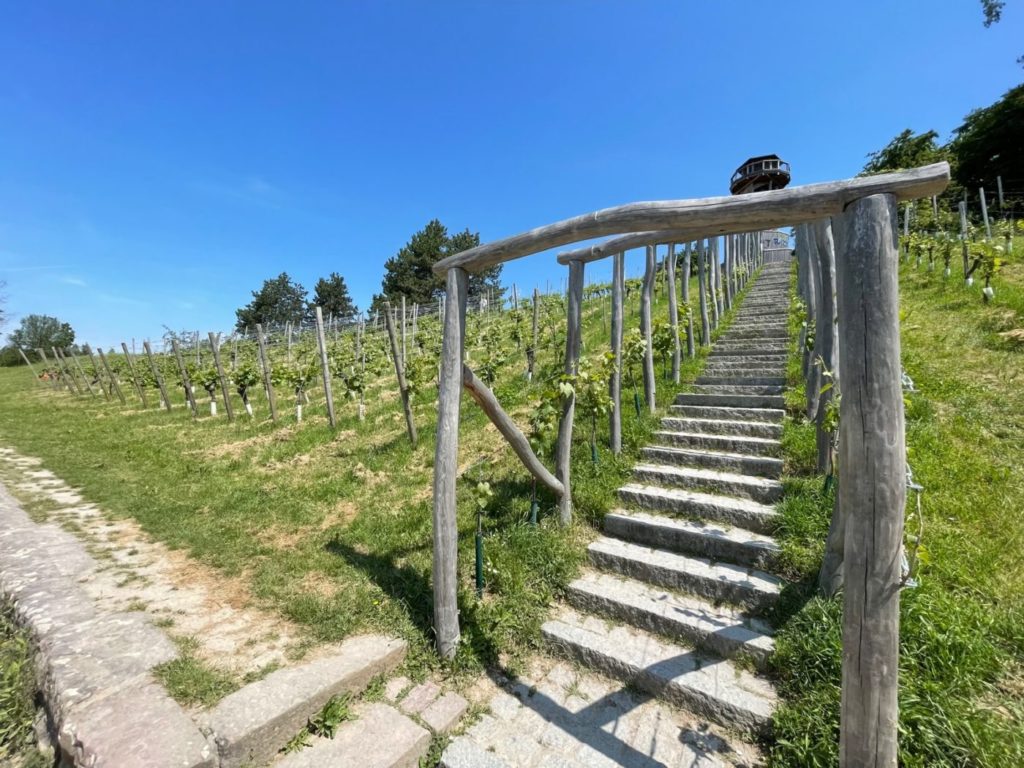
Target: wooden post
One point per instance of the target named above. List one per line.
(325, 366)
(268, 381)
(962, 206)
(826, 333)
(984, 214)
(615, 382)
(532, 352)
(999, 192)
(727, 271)
(99, 375)
(872, 479)
(69, 381)
(403, 332)
(190, 398)
(71, 370)
(691, 350)
(716, 284)
(673, 312)
(135, 379)
(157, 376)
(646, 330)
(29, 364)
(705, 324)
(446, 466)
(81, 372)
(403, 389)
(563, 456)
(225, 391)
(114, 385)
(288, 333)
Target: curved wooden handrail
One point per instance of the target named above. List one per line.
(710, 216)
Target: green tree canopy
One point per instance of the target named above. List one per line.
(990, 142)
(410, 273)
(331, 295)
(280, 300)
(42, 331)
(907, 150)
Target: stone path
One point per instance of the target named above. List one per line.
(670, 604)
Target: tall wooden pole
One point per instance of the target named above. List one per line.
(962, 206)
(615, 382)
(186, 382)
(574, 319)
(403, 388)
(225, 391)
(99, 375)
(645, 328)
(165, 399)
(325, 365)
(81, 372)
(268, 379)
(113, 379)
(139, 390)
(984, 214)
(531, 356)
(69, 381)
(29, 364)
(727, 271)
(691, 350)
(446, 466)
(872, 479)
(673, 312)
(702, 284)
(826, 334)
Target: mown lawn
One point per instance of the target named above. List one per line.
(962, 630)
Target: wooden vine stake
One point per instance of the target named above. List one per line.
(691, 350)
(645, 328)
(164, 399)
(403, 388)
(446, 466)
(705, 323)
(615, 382)
(826, 335)
(265, 370)
(99, 376)
(114, 385)
(70, 370)
(69, 380)
(673, 312)
(186, 382)
(563, 458)
(531, 353)
(29, 364)
(325, 366)
(225, 391)
(135, 379)
(81, 372)
(872, 479)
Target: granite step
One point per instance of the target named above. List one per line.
(708, 686)
(721, 427)
(762, 466)
(649, 493)
(755, 446)
(714, 481)
(720, 629)
(737, 389)
(716, 541)
(769, 415)
(716, 581)
(736, 378)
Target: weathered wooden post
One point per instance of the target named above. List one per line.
(814, 312)
(113, 379)
(135, 379)
(872, 479)
(727, 271)
(563, 458)
(826, 334)
(157, 376)
(99, 375)
(186, 382)
(531, 353)
(962, 206)
(403, 332)
(691, 350)
(705, 324)
(225, 391)
(673, 312)
(615, 382)
(268, 379)
(403, 388)
(69, 381)
(645, 328)
(446, 465)
(325, 366)
(984, 213)
(29, 364)
(81, 372)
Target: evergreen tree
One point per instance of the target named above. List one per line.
(279, 300)
(332, 296)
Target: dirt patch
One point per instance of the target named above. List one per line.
(342, 514)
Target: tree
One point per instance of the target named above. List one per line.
(907, 150)
(331, 295)
(988, 144)
(280, 300)
(410, 272)
(42, 331)
(3, 298)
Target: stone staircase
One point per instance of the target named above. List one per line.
(671, 600)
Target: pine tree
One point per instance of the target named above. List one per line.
(332, 296)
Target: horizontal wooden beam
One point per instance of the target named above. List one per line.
(708, 216)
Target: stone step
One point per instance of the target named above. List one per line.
(713, 481)
(742, 379)
(719, 582)
(728, 365)
(751, 353)
(716, 541)
(714, 371)
(699, 505)
(738, 389)
(754, 446)
(721, 427)
(770, 415)
(721, 630)
(730, 401)
(378, 737)
(755, 334)
(751, 347)
(771, 358)
(763, 466)
(707, 686)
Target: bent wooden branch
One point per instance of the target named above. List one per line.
(509, 430)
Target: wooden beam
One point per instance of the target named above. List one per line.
(872, 479)
(710, 216)
(563, 451)
(509, 430)
(446, 466)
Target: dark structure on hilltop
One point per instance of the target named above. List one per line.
(759, 174)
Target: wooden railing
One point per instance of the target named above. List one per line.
(862, 213)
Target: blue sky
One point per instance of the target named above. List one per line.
(159, 160)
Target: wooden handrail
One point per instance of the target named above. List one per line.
(710, 216)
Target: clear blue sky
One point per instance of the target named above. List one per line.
(159, 160)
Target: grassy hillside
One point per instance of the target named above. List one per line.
(962, 632)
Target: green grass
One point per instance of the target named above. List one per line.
(332, 529)
(962, 629)
(17, 688)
